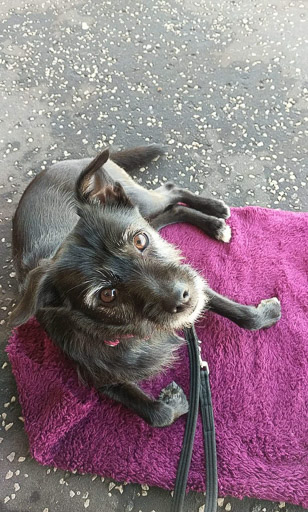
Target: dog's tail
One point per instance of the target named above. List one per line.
(130, 159)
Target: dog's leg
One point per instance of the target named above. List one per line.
(214, 207)
(267, 313)
(212, 226)
(154, 202)
(172, 402)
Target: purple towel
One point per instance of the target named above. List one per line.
(259, 379)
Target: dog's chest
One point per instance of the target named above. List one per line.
(145, 359)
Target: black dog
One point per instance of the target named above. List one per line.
(105, 286)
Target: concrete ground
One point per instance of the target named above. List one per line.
(222, 83)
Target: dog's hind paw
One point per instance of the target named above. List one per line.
(224, 210)
(213, 207)
(224, 233)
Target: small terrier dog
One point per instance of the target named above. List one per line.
(108, 290)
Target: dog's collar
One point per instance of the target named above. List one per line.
(112, 343)
(116, 342)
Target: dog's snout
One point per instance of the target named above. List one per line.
(185, 296)
(180, 297)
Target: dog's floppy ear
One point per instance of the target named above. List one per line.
(94, 184)
(38, 293)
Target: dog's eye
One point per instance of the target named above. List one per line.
(141, 241)
(108, 294)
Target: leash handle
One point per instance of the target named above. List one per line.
(199, 391)
(191, 422)
(209, 440)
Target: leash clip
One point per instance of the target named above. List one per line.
(203, 364)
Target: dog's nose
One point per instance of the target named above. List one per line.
(180, 297)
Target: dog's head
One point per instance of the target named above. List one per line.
(114, 267)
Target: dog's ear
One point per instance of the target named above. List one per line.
(94, 184)
(39, 292)
(90, 180)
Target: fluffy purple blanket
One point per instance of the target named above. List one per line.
(259, 379)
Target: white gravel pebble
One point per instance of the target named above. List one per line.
(11, 456)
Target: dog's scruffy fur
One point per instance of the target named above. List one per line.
(102, 282)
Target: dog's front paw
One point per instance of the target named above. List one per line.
(269, 311)
(174, 396)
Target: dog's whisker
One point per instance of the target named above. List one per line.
(78, 285)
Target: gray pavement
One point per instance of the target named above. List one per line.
(223, 84)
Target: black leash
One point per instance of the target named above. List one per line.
(199, 391)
